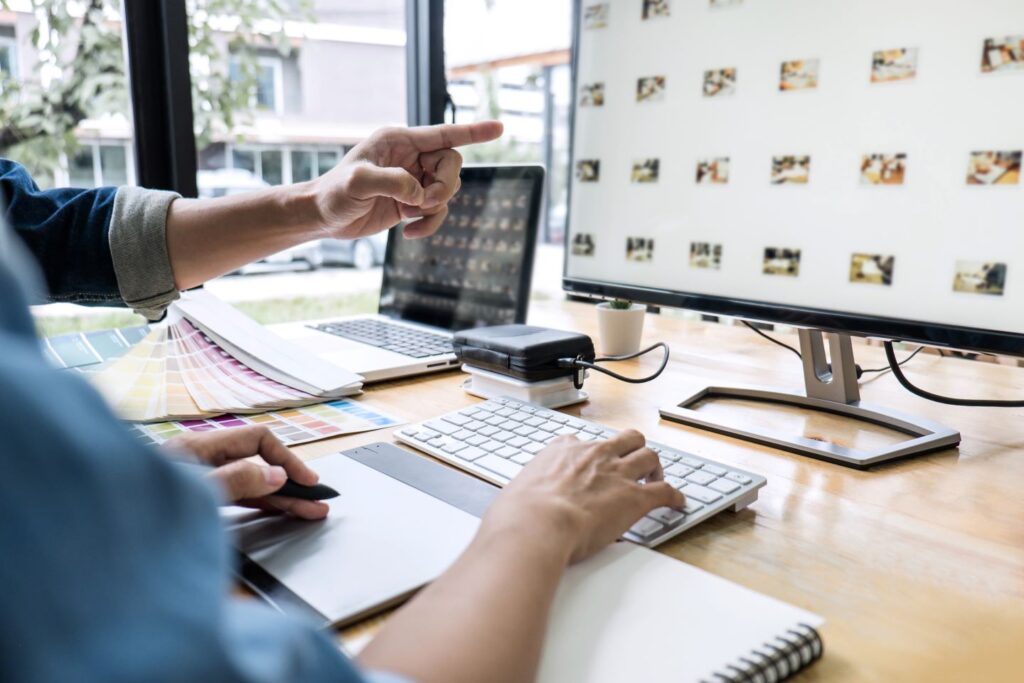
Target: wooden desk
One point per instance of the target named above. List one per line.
(918, 566)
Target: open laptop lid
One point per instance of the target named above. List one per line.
(476, 269)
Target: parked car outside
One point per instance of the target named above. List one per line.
(363, 253)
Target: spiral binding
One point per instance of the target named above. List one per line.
(777, 660)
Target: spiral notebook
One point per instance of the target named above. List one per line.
(633, 614)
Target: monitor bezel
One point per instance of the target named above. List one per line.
(488, 173)
(856, 324)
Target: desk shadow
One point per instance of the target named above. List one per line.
(281, 540)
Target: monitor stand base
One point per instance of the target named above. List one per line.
(830, 388)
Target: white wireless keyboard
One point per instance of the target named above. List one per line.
(496, 438)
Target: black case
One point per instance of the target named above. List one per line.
(523, 351)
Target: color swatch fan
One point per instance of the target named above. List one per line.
(178, 371)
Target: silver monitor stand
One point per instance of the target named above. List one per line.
(832, 390)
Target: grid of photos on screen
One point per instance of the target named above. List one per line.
(639, 249)
(872, 269)
(592, 95)
(1003, 54)
(980, 277)
(778, 261)
(898, 64)
(705, 255)
(799, 74)
(654, 9)
(713, 171)
(596, 16)
(650, 89)
(583, 244)
(994, 168)
(883, 169)
(791, 170)
(588, 170)
(720, 82)
(645, 170)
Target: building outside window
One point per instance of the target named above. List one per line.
(97, 164)
(8, 54)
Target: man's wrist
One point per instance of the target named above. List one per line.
(302, 209)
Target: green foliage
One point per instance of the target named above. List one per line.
(620, 304)
(80, 73)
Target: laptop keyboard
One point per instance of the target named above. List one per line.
(389, 336)
(497, 438)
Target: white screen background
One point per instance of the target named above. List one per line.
(937, 119)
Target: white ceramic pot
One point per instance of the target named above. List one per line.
(619, 329)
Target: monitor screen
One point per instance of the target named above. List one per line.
(475, 270)
(847, 165)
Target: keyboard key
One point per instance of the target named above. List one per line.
(738, 477)
(488, 431)
(677, 470)
(456, 419)
(507, 452)
(522, 458)
(691, 506)
(517, 442)
(462, 434)
(567, 431)
(476, 440)
(534, 421)
(503, 436)
(534, 447)
(575, 423)
(724, 485)
(495, 420)
(691, 462)
(715, 469)
(505, 468)
(675, 482)
(441, 426)
(671, 455)
(449, 445)
(426, 435)
(551, 426)
(702, 478)
(510, 425)
(646, 527)
(523, 430)
(592, 429)
(471, 453)
(505, 412)
(410, 431)
(667, 516)
(700, 493)
(558, 417)
(474, 425)
(520, 416)
(492, 445)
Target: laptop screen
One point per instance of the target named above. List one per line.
(475, 270)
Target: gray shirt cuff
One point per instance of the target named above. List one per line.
(138, 247)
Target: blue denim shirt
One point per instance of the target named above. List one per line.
(105, 246)
(113, 562)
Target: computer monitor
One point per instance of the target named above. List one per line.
(847, 167)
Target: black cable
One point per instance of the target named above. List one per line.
(577, 363)
(773, 340)
(890, 354)
(901, 363)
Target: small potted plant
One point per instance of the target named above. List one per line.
(620, 325)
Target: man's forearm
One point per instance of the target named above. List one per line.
(209, 237)
(483, 620)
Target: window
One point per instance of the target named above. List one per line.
(8, 54)
(270, 85)
(510, 59)
(97, 164)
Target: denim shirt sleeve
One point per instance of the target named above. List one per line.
(105, 246)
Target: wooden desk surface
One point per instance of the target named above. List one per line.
(918, 566)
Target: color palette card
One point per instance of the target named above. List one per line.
(86, 350)
(292, 427)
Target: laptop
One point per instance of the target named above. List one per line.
(473, 272)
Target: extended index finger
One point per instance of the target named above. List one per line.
(623, 443)
(448, 135)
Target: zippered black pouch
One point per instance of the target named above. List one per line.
(523, 351)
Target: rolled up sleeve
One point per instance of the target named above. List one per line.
(138, 247)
